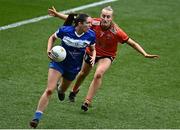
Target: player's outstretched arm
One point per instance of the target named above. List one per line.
(137, 47)
(53, 12)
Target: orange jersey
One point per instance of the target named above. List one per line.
(107, 40)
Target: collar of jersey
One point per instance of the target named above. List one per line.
(78, 34)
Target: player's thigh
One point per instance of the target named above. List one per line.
(53, 77)
(103, 65)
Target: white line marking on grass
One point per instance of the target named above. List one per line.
(33, 20)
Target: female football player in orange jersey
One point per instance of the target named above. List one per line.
(108, 35)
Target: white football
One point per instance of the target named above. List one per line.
(58, 53)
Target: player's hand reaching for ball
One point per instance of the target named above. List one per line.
(49, 55)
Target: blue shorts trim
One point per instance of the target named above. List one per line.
(67, 75)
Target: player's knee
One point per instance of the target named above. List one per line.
(98, 76)
(49, 92)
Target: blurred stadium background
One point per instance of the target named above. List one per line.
(136, 92)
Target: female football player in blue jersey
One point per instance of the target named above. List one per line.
(74, 39)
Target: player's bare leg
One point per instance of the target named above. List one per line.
(53, 77)
(86, 68)
(102, 66)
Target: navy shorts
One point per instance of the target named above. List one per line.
(67, 75)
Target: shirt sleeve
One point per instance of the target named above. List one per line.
(93, 39)
(122, 36)
(60, 32)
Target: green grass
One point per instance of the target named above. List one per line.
(16, 10)
(136, 92)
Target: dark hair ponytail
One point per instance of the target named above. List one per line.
(71, 19)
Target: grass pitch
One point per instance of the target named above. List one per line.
(136, 92)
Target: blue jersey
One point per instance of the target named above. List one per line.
(75, 46)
